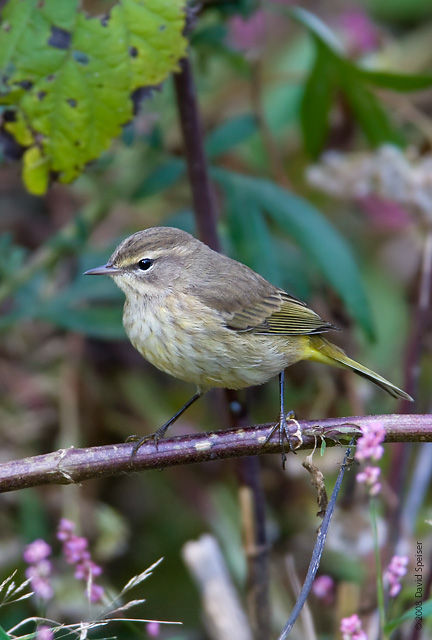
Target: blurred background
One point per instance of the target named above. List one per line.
(319, 154)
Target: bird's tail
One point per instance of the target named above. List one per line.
(321, 350)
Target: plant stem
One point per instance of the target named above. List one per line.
(378, 567)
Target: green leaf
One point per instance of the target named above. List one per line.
(395, 81)
(250, 235)
(332, 69)
(319, 240)
(426, 612)
(230, 134)
(317, 100)
(70, 77)
(4, 635)
(372, 118)
(35, 171)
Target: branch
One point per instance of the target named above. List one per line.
(69, 466)
(318, 550)
(202, 194)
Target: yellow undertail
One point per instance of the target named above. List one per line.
(321, 350)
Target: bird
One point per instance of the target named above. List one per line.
(208, 319)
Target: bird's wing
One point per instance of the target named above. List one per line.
(280, 314)
(246, 301)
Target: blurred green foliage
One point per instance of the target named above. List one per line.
(275, 91)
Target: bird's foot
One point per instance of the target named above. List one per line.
(140, 440)
(290, 433)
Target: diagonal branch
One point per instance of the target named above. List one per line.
(69, 466)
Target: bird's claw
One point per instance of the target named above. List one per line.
(140, 440)
(294, 438)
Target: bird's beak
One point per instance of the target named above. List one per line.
(105, 270)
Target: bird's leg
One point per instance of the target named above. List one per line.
(160, 433)
(294, 438)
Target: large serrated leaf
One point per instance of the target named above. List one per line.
(318, 239)
(70, 77)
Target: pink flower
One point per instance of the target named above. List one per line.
(360, 33)
(75, 550)
(96, 593)
(370, 477)
(42, 569)
(86, 569)
(384, 213)
(153, 629)
(395, 571)
(323, 588)
(351, 628)
(65, 529)
(247, 34)
(44, 633)
(41, 588)
(36, 551)
(369, 444)
(369, 447)
(39, 570)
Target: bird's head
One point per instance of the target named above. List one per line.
(149, 262)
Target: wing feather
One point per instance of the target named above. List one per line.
(279, 314)
(246, 301)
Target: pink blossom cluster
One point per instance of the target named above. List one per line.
(395, 571)
(351, 628)
(39, 570)
(369, 476)
(369, 447)
(75, 550)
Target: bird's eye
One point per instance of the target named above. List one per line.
(145, 264)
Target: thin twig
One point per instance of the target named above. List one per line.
(69, 466)
(420, 323)
(317, 552)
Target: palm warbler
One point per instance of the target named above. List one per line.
(205, 318)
